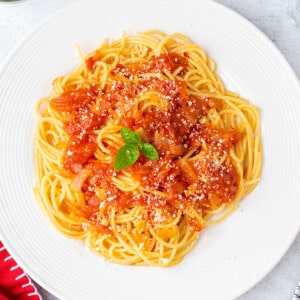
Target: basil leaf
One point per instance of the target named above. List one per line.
(150, 151)
(126, 156)
(129, 136)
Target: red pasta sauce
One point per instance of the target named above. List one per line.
(202, 183)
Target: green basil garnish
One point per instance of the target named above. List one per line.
(128, 154)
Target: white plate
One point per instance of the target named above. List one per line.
(229, 258)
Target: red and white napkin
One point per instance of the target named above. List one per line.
(14, 283)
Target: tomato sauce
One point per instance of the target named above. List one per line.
(203, 183)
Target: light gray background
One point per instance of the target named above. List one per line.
(17, 19)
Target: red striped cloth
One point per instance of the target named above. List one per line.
(14, 283)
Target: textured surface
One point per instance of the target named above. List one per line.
(17, 19)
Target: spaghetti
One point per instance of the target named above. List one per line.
(165, 89)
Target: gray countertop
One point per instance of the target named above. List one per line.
(17, 19)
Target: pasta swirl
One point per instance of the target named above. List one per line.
(165, 88)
